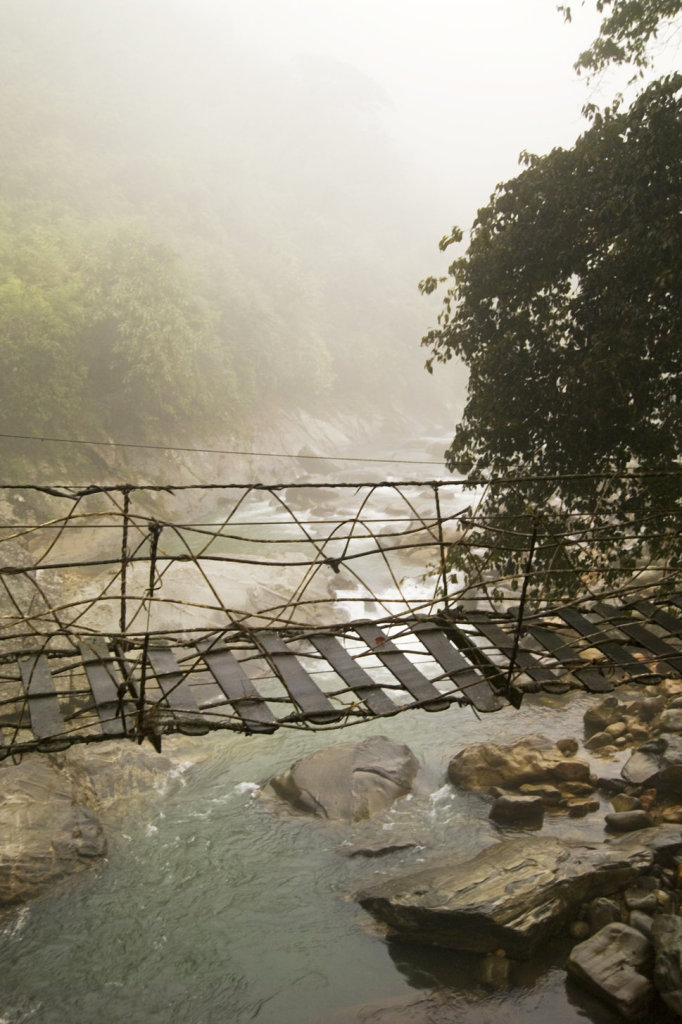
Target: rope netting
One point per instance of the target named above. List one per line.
(158, 566)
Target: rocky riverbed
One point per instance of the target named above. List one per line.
(617, 897)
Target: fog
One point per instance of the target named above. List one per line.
(213, 211)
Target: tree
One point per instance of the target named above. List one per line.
(626, 32)
(567, 310)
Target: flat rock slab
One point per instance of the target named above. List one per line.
(511, 896)
(347, 782)
(612, 964)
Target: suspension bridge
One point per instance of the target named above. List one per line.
(131, 612)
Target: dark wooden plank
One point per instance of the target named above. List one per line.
(613, 651)
(591, 678)
(670, 623)
(472, 684)
(305, 693)
(103, 682)
(399, 665)
(176, 691)
(504, 643)
(43, 704)
(237, 687)
(669, 659)
(352, 674)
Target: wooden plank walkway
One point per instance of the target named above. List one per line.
(257, 681)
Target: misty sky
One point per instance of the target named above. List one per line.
(301, 157)
(468, 84)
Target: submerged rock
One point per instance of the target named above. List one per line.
(511, 896)
(347, 782)
(613, 964)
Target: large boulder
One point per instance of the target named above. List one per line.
(613, 964)
(533, 759)
(510, 896)
(54, 809)
(44, 835)
(347, 782)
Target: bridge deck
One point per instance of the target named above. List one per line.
(257, 681)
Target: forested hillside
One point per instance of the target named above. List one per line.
(190, 242)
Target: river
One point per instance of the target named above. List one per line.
(211, 908)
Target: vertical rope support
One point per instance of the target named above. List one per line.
(442, 545)
(522, 603)
(124, 559)
(154, 533)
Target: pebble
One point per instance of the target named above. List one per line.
(625, 802)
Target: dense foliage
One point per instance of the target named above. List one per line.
(186, 240)
(627, 31)
(567, 310)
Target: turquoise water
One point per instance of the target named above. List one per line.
(211, 908)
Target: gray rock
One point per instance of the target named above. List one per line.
(671, 720)
(602, 911)
(346, 782)
(612, 964)
(642, 922)
(624, 802)
(493, 971)
(377, 849)
(666, 934)
(579, 807)
(597, 740)
(641, 899)
(602, 714)
(551, 795)
(44, 836)
(510, 809)
(648, 846)
(510, 896)
(647, 708)
(657, 763)
(627, 821)
(54, 809)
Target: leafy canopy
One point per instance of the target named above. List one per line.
(567, 310)
(626, 32)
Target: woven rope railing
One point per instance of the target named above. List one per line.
(100, 585)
